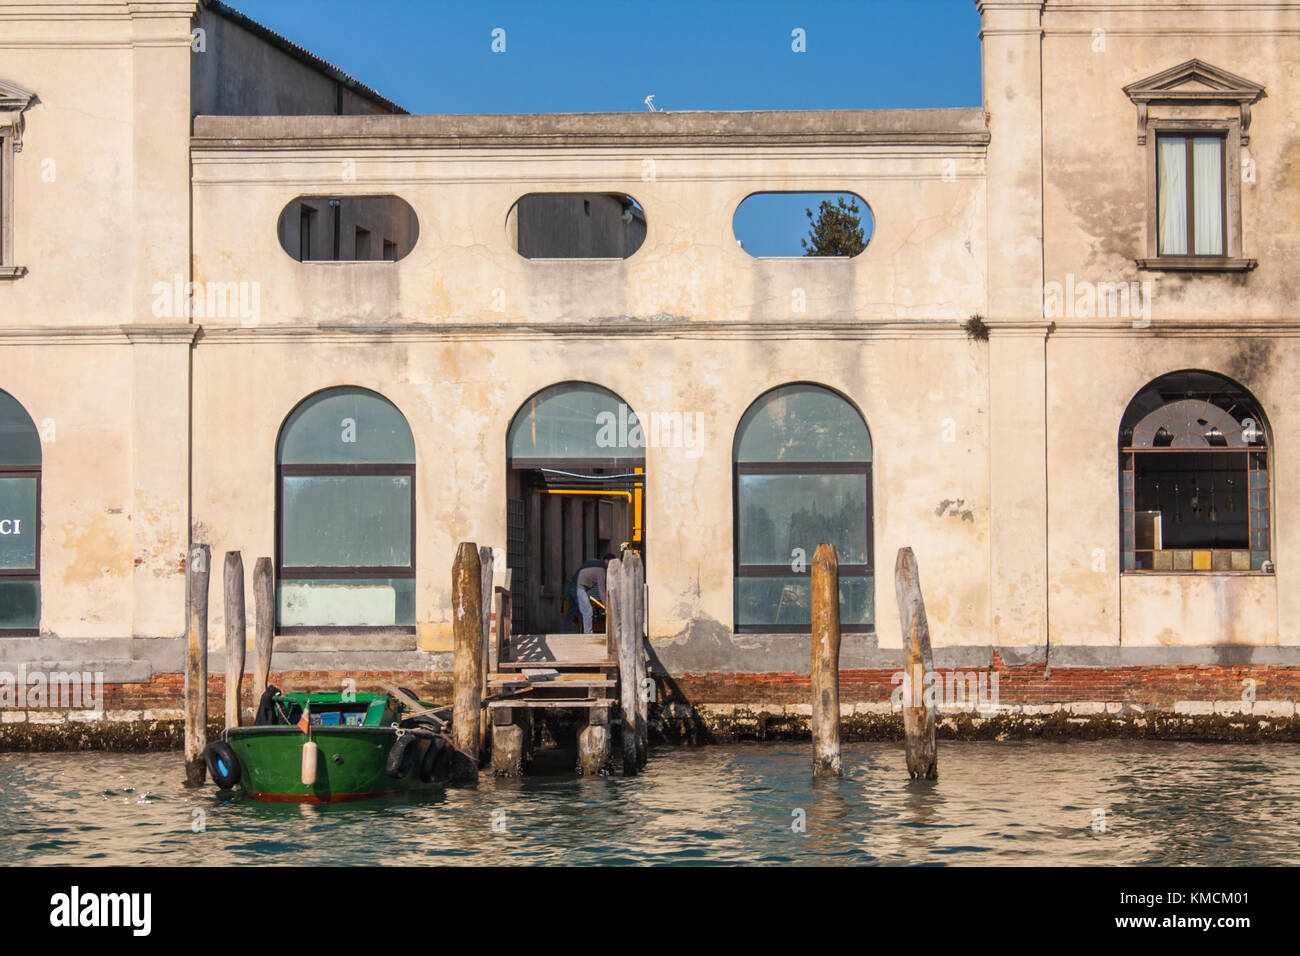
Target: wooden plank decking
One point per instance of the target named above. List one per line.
(553, 670)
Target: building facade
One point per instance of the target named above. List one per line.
(245, 301)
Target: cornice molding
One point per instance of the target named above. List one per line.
(173, 334)
(648, 329)
(607, 328)
(960, 126)
(14, 102)
(1216, 87)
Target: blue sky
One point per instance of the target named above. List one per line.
(573, 56)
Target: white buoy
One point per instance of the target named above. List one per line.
(309, 755)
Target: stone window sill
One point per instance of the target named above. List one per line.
(1196, 264)
(12, 272)
(1141, 572)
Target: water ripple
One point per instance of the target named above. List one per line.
(1010, 803)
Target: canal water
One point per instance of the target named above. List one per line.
(1096, 802)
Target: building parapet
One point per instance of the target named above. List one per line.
(935, 127)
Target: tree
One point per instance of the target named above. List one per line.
(837, 230)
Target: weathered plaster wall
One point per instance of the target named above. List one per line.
(73, 180)
(1095, 180)
(996, 461)
(1241, 325)
(86, 488)
(1010, 38)
(460, 392)
(1109, 365)
(668, 329)
(926, 259)
(101, 211)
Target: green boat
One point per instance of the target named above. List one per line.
(326, 748)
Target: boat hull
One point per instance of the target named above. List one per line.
(351, 764)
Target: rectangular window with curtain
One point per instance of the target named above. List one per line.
(1190, 195)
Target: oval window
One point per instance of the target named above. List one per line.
(835, 225)
(576, 226)
(348, 228)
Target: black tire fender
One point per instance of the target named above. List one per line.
(223, 764)
(401, 759)
(436, 762)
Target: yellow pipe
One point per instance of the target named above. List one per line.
(562, 491)
(634, 499)
(638, 508)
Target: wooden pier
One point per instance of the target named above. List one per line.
(595, 674)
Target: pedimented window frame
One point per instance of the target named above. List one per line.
(1195, 98)
(14, 101)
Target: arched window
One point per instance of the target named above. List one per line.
(575, 490)
(1194, 486)
(345, 506)
(575, 423)
(802, 476)
(20, 520)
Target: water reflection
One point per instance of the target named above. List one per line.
(1101, 802)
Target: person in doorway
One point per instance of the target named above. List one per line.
(587, 582)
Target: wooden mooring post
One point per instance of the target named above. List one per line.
(594, 745)
(236, 633)
(264, 622)
(511, 728)
(467, 675)
(636, 589)
(826, 662)
(510, 733)
(620, 611)
(197, 568)
(595, 741)
(485, 630)
(919, 711)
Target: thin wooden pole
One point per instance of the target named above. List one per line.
(826, 662)
(637, 588)
(236, 633)
(919, 711)
(264, 604)
(485, 613)
(467, 628)
(619, 610)
(499, 643)
(197, 568)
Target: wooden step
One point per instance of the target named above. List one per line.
(536, 674)
(508, 683)
(551, 702)
(571, 677)
(505, 686)
(595, 664)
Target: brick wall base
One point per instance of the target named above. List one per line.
(1226, 702)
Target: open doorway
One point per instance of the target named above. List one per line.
(575, 486)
